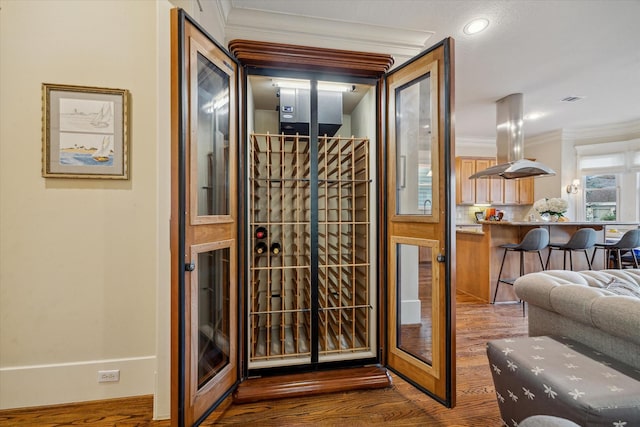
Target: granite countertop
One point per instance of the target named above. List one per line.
(530, 223)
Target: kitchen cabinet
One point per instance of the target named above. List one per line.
(465, 187)
(476, 191)
(518, 191)
(525, 191)
(492, 191)
(483, 186)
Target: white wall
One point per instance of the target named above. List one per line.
(548, 149)
(83, 271)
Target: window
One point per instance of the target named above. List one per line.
(601, 197)
(609, 173)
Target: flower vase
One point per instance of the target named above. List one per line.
(546, 217)
(553, 218)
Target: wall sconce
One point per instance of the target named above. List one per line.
(573, 187)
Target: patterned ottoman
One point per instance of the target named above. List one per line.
(560, 377)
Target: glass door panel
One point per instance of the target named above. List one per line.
(211, 152)
(420, 293)
(203, 222)
(416, 146)
(212, 284)
(415, 299)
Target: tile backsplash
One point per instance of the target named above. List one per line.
(466, 214)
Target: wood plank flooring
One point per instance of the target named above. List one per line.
(399, 405)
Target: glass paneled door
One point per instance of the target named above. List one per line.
(420, 291)
(203, 222)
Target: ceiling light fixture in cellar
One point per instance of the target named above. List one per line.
(305, 84)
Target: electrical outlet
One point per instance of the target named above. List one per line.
(109, 376)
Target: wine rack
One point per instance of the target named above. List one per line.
(343, 246)
(280, 307)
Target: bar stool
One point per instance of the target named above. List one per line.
(534, 241)
(629, 241)
(581, 240)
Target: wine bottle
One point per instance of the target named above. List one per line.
(261, 233)
(275, 248)
(261, 248)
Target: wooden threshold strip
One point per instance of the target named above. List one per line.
(311, 383)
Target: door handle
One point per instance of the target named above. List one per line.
(440, 258)
(190, 266)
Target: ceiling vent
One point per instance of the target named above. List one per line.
(572, 98)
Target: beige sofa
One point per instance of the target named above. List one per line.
(581, 360)
(578, 305)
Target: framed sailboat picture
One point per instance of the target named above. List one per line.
(85, 132)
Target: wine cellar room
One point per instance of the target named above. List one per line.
(311, 217)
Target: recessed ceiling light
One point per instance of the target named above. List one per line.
(476, 26)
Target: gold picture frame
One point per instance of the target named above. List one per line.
(85, 132)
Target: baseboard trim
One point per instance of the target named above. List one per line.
(70, 382)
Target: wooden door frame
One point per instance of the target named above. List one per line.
(263, 57)
(179, 233)
(446, 158)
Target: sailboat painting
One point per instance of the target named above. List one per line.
(86, 150)
(103, 154)
(85, 132)
(86, 115)
(104, 117)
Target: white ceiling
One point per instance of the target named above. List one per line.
(547, 50)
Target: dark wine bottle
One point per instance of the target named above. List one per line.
(275, 248)
(261, 233)
(261, 248)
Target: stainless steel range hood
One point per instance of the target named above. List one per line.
(510, 141)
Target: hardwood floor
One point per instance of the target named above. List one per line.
(399, 405)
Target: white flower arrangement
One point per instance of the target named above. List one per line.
(554, 206)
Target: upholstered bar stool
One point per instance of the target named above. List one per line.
(613, 251)
(582, 240)
(534, 241)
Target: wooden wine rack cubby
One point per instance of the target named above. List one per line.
(280, 307)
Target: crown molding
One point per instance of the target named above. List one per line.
(612, 131)
(252, 24)
(223, 7)
(472, 142)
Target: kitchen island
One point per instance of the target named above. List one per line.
(478, 253)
